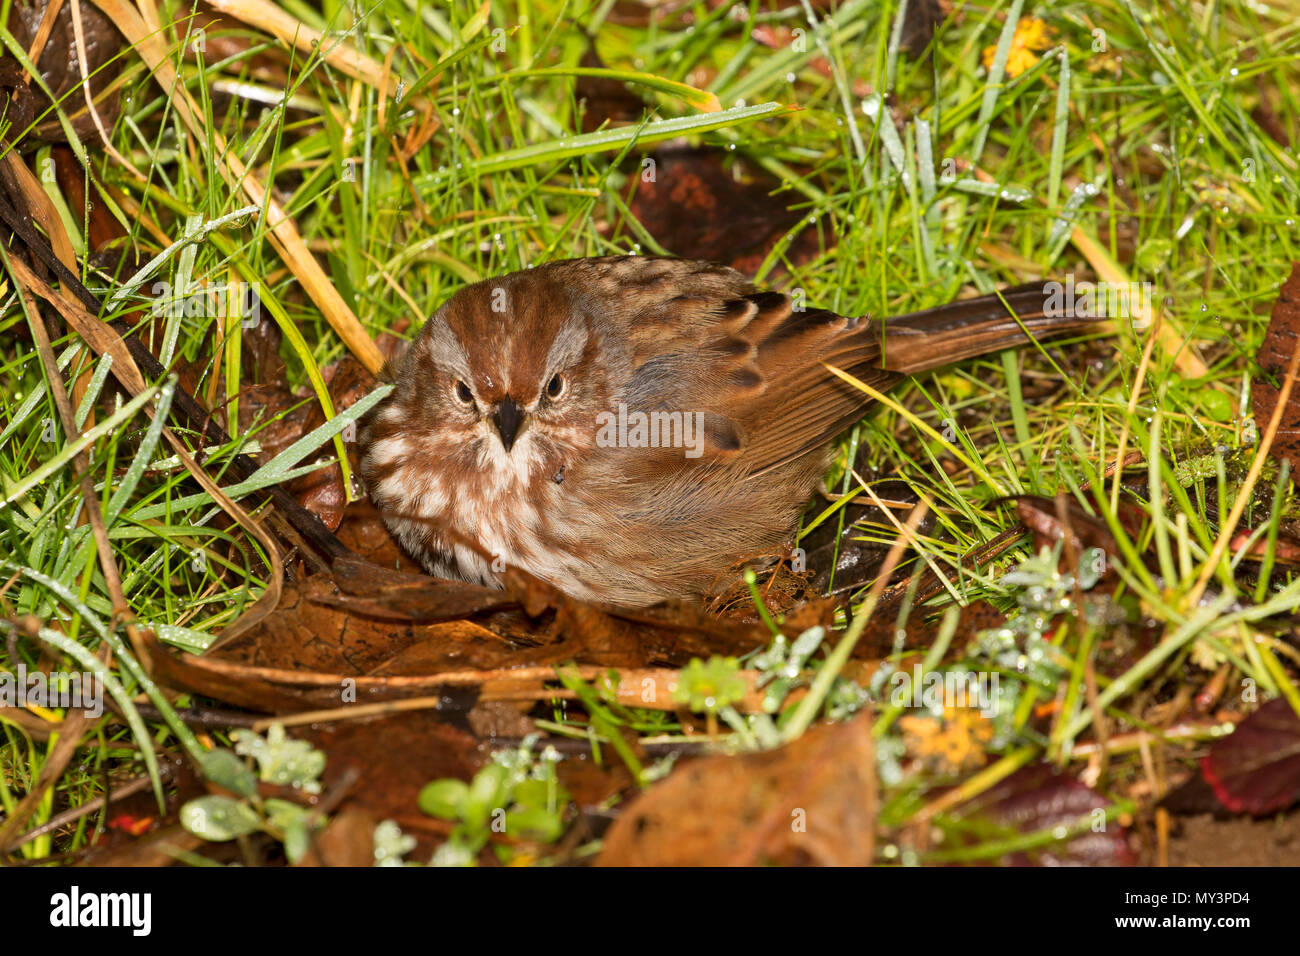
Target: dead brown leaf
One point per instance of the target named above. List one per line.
(1281, 342)
(348, 840)
(705, 204)
(812, 802)
(60, 69)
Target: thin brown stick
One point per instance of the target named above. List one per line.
(79, 37)
(42, 34)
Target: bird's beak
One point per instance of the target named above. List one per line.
(508, 417)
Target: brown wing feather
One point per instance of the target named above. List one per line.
(812, 406)
(703, 338)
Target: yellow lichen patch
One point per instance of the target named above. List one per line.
(949, 745)
(1032, 37)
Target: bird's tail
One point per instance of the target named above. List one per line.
(920, 341)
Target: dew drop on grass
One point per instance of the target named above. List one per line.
(789, 77)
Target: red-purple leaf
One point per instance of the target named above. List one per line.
(1256, 770)
(1039, 798)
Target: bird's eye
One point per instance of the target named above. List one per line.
(555, 387)
(463, 394)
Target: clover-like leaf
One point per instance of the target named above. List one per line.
(488, 791)
(391, 844)
(711, 686)
(282, 760)
(217, 818)
(297, 839)
(226, 770)
(534, 823)
(444, 798)
(456, 850)
(284, 813)
(540, 792)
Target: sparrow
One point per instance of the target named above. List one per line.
(629, 428)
